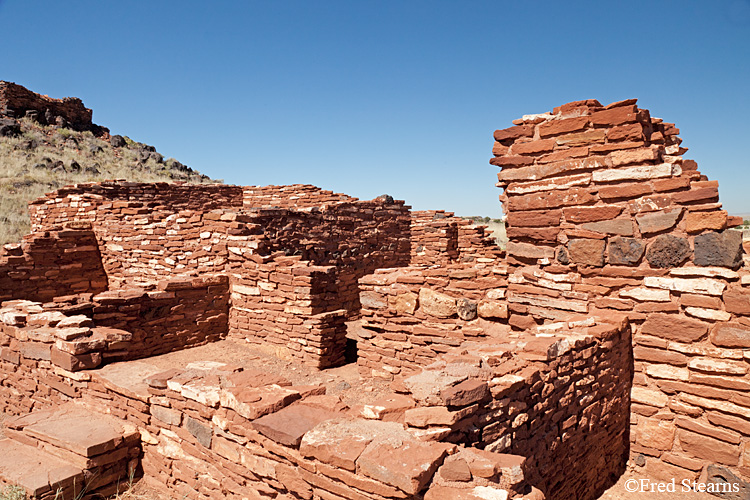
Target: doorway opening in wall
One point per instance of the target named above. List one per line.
(350, 354)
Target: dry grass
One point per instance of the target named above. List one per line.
(138, 491)
(12, 493)
(41, 159)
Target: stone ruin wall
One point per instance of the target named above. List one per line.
(146, 232)
(438, 237)
(295, 196)
(605, 215)
(620, 272)
(296, 266)
(213, 431)
(50, 264)
(16, 101)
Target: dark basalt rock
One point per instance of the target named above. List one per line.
(668, 251)
(722, 249)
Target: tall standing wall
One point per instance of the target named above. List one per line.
(604, 213)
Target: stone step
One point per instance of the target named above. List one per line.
(102, 448)
(41, 474)
(74, 429)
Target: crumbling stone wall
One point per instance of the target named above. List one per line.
(147, 231)
(17, 102)
(291, 308)
(172, 315)
(84, 331)
(412, 315)
(294, 283)
(604, 214)
(294, 196)
(557, 395)
(213, 430)
(51, 263)
(150, 232)
(439, 238)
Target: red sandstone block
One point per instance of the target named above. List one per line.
(556, 127)
(513, 133)
(691, 300)
(734, 221)
(610, 303)
(729, 422)
(577, 106)
(670, 129)
(408, 466)
(653, 355)
(498, 149)
(551, 199)
(662, 185)
(689, 166)
(696, 222)
(511, 161)
(629, 132)
(536, 172)
(673, 327)
(615, 116)
(696, 195)
(732, 335)
(564, 154)
(709, 448)
(591, 214)
(624, 102)
(615, 146)
(535, 233)
(74, 363)
(581, 138)
(532, 147)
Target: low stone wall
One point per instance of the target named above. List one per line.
(175, 314)
(211, 430)
(289, 307)
(412, 315)
(148, 231)
(557, 397)
(48, 264)
(83, 332)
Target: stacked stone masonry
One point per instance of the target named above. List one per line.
(50, 264)
(616, 327)
(605, 214)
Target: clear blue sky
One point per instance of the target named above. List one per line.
(394, 96)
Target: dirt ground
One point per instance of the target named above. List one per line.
(343, 381)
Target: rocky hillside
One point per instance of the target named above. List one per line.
(49, 143)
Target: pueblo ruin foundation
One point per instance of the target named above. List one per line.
(613, 333)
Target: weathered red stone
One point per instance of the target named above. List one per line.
(673, 327)
(591, 214)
